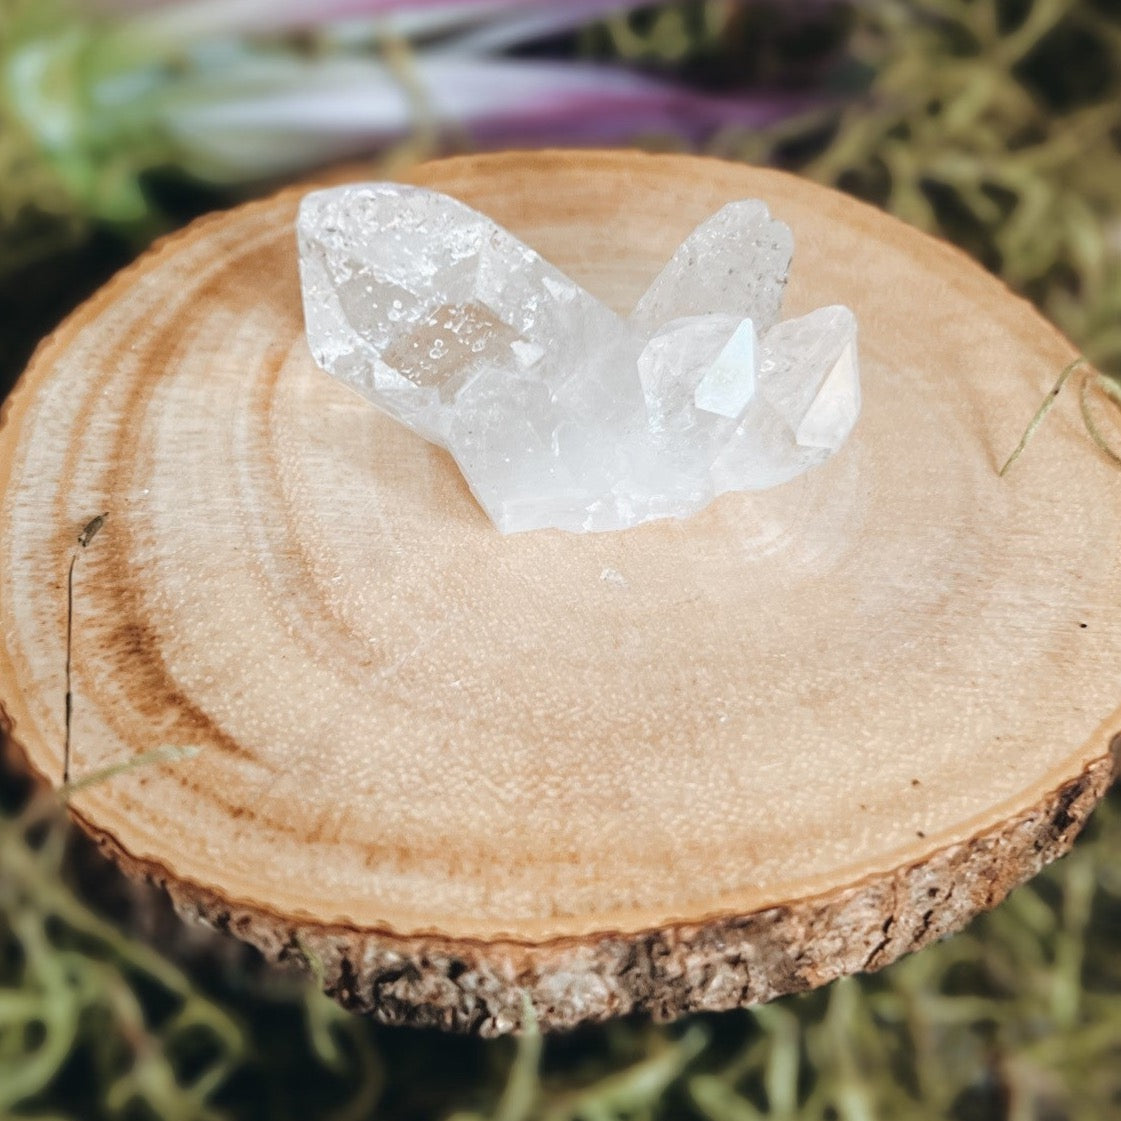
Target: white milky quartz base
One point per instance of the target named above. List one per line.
(559, 412)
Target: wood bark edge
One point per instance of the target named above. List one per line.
(714, 965)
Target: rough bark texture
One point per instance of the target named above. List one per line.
(710, 966)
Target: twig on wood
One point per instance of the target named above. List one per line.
(167, 754)
(1111, 390)
(91, 530)
(1044, 409)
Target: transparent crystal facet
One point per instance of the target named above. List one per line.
(558, 411)
(729, 383)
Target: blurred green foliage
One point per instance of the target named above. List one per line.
(994, 123)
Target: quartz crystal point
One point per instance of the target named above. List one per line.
(559, 412)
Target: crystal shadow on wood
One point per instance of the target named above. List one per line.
(559, 412)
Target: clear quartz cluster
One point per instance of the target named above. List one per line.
(558, 411)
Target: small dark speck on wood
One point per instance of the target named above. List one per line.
(91, 530)
(93, 526)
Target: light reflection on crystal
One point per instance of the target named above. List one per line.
(558, 411)
(729, 383)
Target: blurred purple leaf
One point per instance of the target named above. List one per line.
(511, 21)
(275, 116)
(215, 88)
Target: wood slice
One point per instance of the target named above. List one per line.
(687, 766)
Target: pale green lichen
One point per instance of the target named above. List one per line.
(70, 983)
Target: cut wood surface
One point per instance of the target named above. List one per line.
(685, 766)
